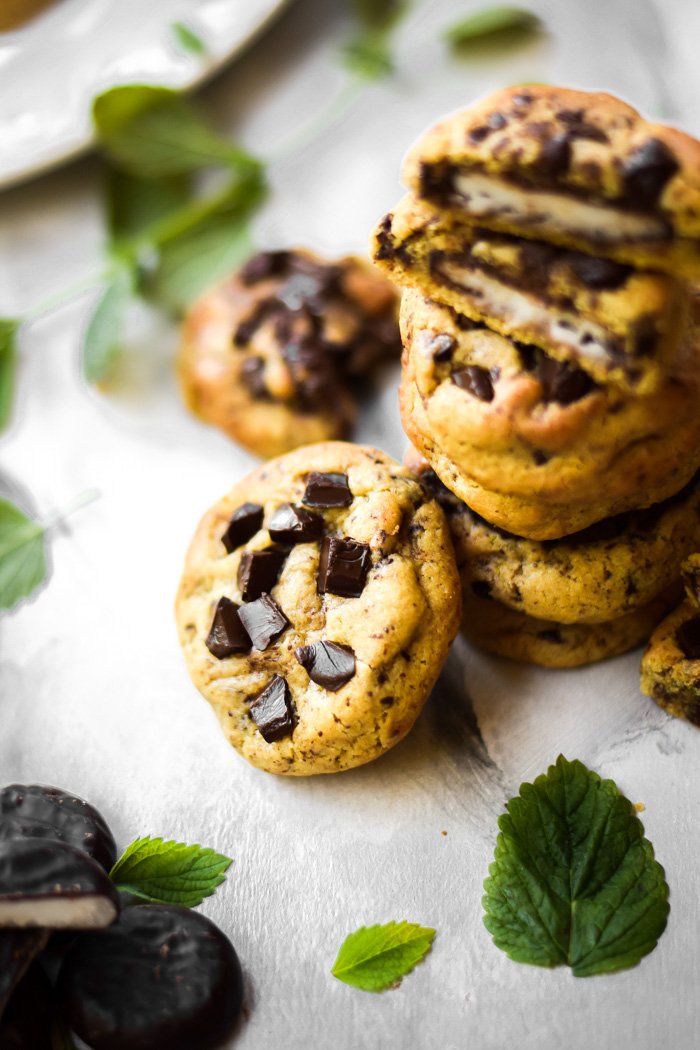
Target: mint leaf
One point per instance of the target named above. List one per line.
(490, 22)
(208, 247)
(188, 39)
(135, 205)
(368, 53)
(102, 340)
(169, 872)
(377, 957)
(154, 132)
(8, 354)
(574, 882)
(22, 560)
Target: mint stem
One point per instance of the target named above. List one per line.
(77, 503)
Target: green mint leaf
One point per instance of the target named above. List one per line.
(8, 355)
(379, 14)
(377, 957)
(490, 22)
(169, 872)
(368, 56)
(207, 248)
(102, 340)
(574, 882)
(22, 559)
(154, 132)
(136, 206)
(188, 39)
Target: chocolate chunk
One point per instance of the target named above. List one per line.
(540, 458)
(554, 156)
(597, 273)
(476, 380)
(244, 523)
(263, 265)
(249, 326)
(552, 636)
(290, 524)
(227, 634)
(442, 347)
(343, 567)
(329, 664)
(264, 621)
(253, 378)
(481, 588)
(579, 127)
(523, 98)
(273, 712)
(53, 885)
(646, 335)
(259, 571)
(562, 382)
(688, 638)
(647, 170)
(327, 490)
(43, 812)
(162, 976)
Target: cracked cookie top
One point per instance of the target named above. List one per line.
(317, 605)
(274, 355)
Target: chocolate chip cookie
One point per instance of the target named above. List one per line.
(275, 356)
(620, 326)
(671, 661)
(579, 169)
(606, 571)
(534, 445)
(504, 631)
(318, 602)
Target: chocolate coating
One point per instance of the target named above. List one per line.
(272, 710)
(688, 638)
(329, 664)
(161, 977)
(53, 885)
(327, 490)
(17, 949)
(259, 571)
(244, 523)
(27, 1021)
(40, 811)
(343, 567)
(227, 635)
(264, 621)
(290, 524)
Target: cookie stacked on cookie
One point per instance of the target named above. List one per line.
(547, 250)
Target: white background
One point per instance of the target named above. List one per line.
(94, 696)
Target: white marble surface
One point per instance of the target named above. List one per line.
(93, 692)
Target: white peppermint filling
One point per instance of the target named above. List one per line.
(485, 196)
(56, 913)
(521, 311)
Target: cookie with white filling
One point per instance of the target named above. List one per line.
(576, 168)
(619, 325)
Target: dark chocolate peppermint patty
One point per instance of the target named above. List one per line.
(259, 571)
(290, 524)
(343, 567)
(476, 380)
(329, 664)
(273, 711)
(327, 490)
(263, 621)
(227, 634)
(245, 522)
(688, 638)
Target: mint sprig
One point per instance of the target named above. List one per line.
(499, 22)
(368, 52)
(8, 354)
(187, 39)
(375, 958)
(169, 872)
(574, 882)
(22, 555)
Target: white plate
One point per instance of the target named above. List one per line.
(51, 69)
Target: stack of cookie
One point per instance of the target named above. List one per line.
(547, 251)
